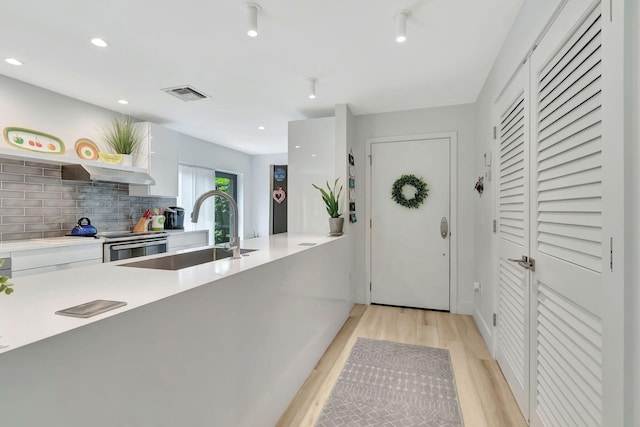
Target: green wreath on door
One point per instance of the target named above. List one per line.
(421, 187)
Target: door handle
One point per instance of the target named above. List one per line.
(525, 262)
(444, 227)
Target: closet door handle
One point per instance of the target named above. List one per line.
(525, 262)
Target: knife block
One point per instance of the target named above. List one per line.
(142, 226)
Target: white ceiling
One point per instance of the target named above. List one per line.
(347, 44)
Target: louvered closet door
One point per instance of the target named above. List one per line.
(566, 215)
(512, 350)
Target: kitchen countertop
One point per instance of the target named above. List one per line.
(27, 315)
(184, 231)
(24, 245)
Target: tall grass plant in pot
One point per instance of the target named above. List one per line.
(124, 137)
(332, 201)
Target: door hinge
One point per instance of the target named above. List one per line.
(370, 287)
(495, 225)
(611, 254)
(610, 10)
(370, 159)
(370, 223)
(495, 132)
(495, 319)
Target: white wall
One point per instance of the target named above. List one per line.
(530, 21)
(461, 119)
(197, 152)
(32, 107)
(632, 193)
(314, 162)
(260, 167)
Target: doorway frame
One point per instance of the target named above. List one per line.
(453, 208)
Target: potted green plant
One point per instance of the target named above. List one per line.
(124, 137)
(332, 202)
(6, 287)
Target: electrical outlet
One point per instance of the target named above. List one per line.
(477, 288)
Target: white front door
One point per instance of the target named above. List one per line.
(410, 246)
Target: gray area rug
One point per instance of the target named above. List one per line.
(385, 383)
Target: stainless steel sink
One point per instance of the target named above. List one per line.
(184, 260)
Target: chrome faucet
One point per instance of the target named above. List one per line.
(234, 243)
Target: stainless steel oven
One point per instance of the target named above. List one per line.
(119, 246)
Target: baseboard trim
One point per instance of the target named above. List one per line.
(465, 307)
(485, 330)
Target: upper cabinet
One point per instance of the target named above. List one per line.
(159, 155)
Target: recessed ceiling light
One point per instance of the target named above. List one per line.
(13, 61)
(401, 25)
(313, 155)
(312, 87)
(253, 10)
(297, 146)
(99, 42)
(261, 128)
(123, 101)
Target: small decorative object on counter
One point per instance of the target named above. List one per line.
(479, 187)
(84, 228)
(157, 223)
(143, 223)
(332, 202)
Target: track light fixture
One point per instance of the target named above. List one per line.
(253, 9)
(312, 87)
(401, 25)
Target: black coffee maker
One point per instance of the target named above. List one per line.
(174, 218)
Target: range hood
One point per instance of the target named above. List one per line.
(97, 173)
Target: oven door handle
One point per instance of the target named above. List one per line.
(138, 245)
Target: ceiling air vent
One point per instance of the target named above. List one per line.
(186, 93)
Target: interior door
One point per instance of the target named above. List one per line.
(567, 220)
(410, 247)
(512, 342)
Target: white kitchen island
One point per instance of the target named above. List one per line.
(226, 343)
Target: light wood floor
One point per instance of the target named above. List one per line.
(485, 397)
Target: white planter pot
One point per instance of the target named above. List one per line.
(127, 160)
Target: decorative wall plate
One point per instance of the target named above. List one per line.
(113, 159)
(33, 140)
(86, 149)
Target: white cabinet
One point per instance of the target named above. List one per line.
(35, 261)
(188, 239)
(159, 155)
